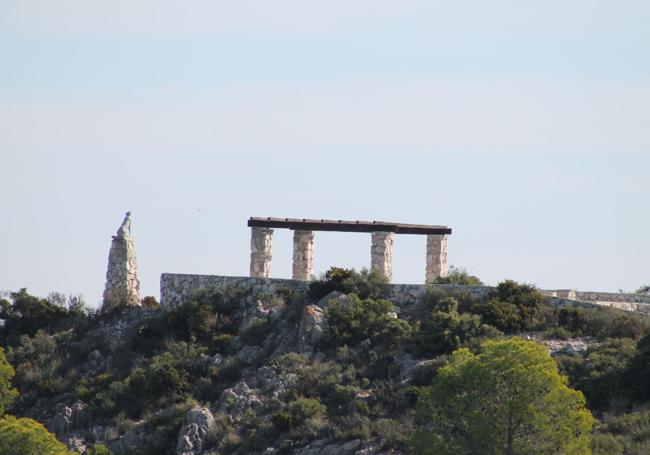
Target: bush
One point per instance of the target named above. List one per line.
(27, 314)
(7, 392)
(298, 412)
(513, 307)
(158, 383)
(601, 374)
(256, 333)
(98, 449)
(365, 284)
(631, 431)
(27, 436)
(638, 373)
(602, 322)
(355, 320)
(459, 277)
(444, 330)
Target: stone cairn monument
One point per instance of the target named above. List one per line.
(122, 283)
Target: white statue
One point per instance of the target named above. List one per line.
(125, 228)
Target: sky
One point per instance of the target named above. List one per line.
(521, 125)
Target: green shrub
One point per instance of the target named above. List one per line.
(27, 436)
(601, 373)
(256, 333)
(298, 412)
(638, 374)
(222, 343)
(602, 322)
(606, 444)
(444, 329)
(7, 392)
(365, 284)
(632, 431)
(514, 307)
(354, 320)
(27, 314)
(98, 449)
(459, 277)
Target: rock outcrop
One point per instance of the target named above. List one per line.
(199, 425)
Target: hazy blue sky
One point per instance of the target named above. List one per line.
(522, 125)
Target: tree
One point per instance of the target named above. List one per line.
(7, 393)
(28, 437)
(508, 400)
(639, 369)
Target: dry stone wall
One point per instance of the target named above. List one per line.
(177, 288)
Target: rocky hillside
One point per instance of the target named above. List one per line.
(336, 370)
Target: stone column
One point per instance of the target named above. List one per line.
(381, 254)
(436, 257)
(122, 283)
(303, 255)
(261, 249)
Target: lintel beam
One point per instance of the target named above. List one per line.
(347, 226)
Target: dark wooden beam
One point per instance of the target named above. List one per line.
(347, 226)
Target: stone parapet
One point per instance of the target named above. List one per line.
(303, 255)
(177, 288)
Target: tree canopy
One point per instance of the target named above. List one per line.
(7, 392)
(508, 400)
(28, 437)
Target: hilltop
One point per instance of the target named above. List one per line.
(335, 369)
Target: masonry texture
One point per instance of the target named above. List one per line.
(303, 255)
(261, 252)
(381, 254)
(436, 258)
(177, 288)
(122, 283)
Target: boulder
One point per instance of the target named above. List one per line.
(236, 400)
(199, 424)
(323, 448)
(332, 296)
(129, 442)
(312, 326)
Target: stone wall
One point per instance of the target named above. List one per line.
(176, 288)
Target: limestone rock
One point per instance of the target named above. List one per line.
(76, 443)
(323, 448)
(236, 400)
(332, 296)
(199, 424)
(128, 443)
(277, 385)
(311, 329)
